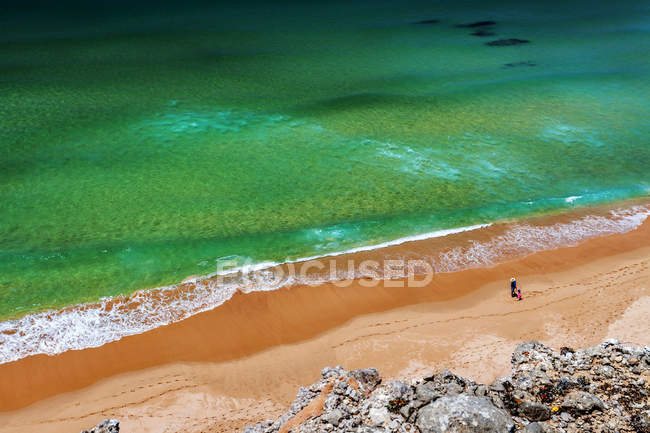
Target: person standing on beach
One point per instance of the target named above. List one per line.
(513, 287)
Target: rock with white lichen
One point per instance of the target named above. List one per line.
(106, 426)
(600, 389)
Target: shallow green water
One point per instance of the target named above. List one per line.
(140, 147)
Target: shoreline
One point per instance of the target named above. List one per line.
(91, 325)
(283, 332)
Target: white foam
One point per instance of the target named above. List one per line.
(92, 325)
(525, 239)
(572, 198)
(415, 161)
(569, 135)
(267, 265)
(429, 235)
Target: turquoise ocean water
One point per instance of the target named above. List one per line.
(140, 144)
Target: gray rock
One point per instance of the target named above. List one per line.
(611, 342)
(536, 427)
(565, 384)
(333, 417)
(582, 402)
(531, 350)
(378, 416)
(463, 414)
(609, 377)
(428, 392)
(641, 422)
(451, 383)
(534, 411)
(443, 383)
(328, 372)
(106, 426)
(481, 391)
(400, 389)
(406, 411)
(368, 378)
(497, 387)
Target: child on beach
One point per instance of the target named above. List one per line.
(519, 294)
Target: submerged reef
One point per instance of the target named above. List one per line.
(507, 42)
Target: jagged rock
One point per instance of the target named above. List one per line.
(565, 384)
(562, 389)
(497, 386)
(582, 402)
(481, 390)
(427, 392)
(399, 389)
(368, 378)
(565, 351)
(333, 417)
(534, 411)
(536, 427)
(443, 383)
(641, 422)
(328, 372)
(378, 416)
(451, 383)
(463, 414)
(106, 426)
(507, 42)
(530, 351)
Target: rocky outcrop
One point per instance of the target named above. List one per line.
(106, 426)
(599, 389)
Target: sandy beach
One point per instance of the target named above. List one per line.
(204, 204)
(244, 361)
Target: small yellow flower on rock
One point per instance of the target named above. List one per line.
(555, 409)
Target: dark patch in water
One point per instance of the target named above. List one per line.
(477, 24)
(482, 33)
(427, 22)
(357, 102)
(517, 64)
(506, 42)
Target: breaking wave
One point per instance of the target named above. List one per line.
(524, 239)
(95, 324)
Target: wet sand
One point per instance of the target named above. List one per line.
(244, 361)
